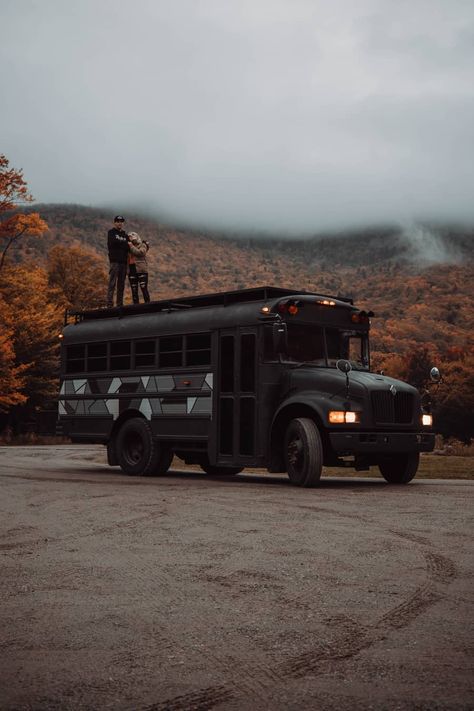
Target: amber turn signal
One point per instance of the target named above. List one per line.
(343, 417)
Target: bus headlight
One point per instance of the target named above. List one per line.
(343, 417)
(427, 420)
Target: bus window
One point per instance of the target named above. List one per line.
(227, 364)
(96, 357)
(198, 349)
(247, 426)
(247, 363)
(171, 352)
(145, 353)
(306, 343)
(120, 355)
(226, 429)
(268, 349)
(75, 359)
(349, 345)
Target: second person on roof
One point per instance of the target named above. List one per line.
(138, 267)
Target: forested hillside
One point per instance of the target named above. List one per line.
(420, 285)
(417, 298)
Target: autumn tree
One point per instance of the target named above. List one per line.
(453, 401)
(13, 194)
(11, 380)
(77, 276)
(34, 324)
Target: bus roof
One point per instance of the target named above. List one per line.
(223, 298)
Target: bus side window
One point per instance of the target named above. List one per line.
(247, 363)
(120, 355)
(268, 350)
(171, 352)
(75, 359)
(198, 349)
(96, 357)
(145, 353)
(227, 364)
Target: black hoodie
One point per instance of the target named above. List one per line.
(117, 243)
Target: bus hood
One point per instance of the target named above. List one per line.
(332, 383)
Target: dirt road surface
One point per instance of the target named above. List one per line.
(190, 592)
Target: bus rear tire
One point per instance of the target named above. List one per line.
(400, 468)
(303, 452)
(138, 453)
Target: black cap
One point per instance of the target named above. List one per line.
(119, 218)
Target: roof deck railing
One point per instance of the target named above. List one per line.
(225, 298)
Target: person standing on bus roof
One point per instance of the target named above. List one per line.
(138, 268)
(117, 244)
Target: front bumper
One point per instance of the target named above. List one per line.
(346, 443)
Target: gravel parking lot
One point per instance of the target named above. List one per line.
(195, 592)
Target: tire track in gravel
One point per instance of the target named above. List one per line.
(201, 700)
(440, 571)
(125, 524)
(335, 512)
(412, 537)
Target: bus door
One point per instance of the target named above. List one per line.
(236, 394)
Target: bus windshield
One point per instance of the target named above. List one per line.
(323, 347)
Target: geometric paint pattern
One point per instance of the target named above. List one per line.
(139, 393)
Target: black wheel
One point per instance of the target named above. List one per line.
(137, 452)
(303, 452)
(219, 470)
(400, 468)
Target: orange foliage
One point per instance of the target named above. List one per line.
(11, 380)
(14, 191)
(77, 276)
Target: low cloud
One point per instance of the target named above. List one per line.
(426, 246)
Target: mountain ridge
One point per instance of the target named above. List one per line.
(418, 302)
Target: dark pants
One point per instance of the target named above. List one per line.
(117, 274)
(138, 279)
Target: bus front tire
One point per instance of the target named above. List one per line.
(303, 452)
(400, 468)
(138, 453)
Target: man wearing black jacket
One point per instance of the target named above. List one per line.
(117, 243)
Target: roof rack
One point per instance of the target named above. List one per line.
(224, 298)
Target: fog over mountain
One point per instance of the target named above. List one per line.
(289, 117)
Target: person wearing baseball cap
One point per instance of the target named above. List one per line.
(117, 244)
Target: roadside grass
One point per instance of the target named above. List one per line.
(432, 466)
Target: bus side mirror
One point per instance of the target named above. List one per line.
(280, 338)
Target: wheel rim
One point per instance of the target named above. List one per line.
(295, 455)
(133, 448)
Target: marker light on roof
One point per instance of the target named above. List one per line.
(326, 302)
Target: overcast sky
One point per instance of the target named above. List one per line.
(293, 116)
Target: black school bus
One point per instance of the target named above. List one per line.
(263, 377)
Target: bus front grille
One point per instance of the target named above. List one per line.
(390, 409)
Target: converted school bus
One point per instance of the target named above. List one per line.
(263, 377)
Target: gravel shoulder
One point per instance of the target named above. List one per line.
(194, 592)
